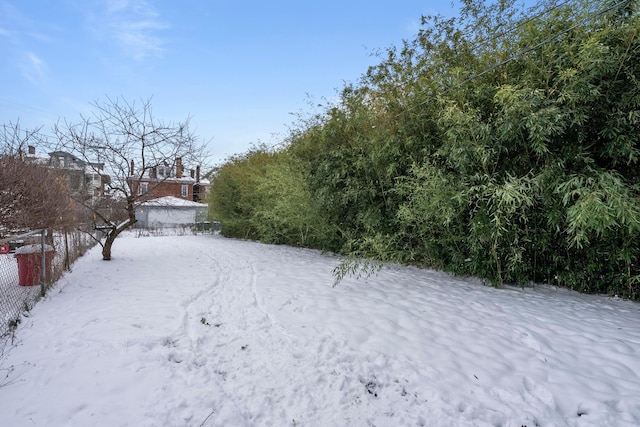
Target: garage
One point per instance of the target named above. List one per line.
(169, 212)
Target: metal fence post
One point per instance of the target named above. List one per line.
(16, 298)
(43, 264)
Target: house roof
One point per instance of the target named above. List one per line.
(167, 172)
(170, 201)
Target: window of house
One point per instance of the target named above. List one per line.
(143, 188)
(185, 190)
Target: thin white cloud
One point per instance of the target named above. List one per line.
(116, 5)
(15, 25)
(28, 42)
(33, 68)
(135, 25)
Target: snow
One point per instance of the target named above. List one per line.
(170, 201)
(33, 249)
(209, 331)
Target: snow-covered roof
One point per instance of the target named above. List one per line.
(170, 201)
(41, 160)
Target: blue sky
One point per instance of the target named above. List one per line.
(239, 69)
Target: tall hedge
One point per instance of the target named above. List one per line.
(502, 143)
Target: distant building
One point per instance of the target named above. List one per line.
(86, 180)
(170, 212)
(169, 180)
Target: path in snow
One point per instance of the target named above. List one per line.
(202, 330)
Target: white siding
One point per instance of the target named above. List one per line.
(159, 217)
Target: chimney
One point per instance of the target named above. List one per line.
(179, 167)
(32, 150)
(131, 169)
(192, 172)
(198, 173)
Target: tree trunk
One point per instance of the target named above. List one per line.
(106, 249)
(111, 237)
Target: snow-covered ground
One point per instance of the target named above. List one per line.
(208, 331)
(14, 298)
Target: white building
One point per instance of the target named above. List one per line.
(170, 211)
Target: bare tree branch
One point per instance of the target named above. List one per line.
(118, 134)
(33, 196)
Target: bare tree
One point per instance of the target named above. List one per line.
(33, 196)
(119, 135)
(18, 142)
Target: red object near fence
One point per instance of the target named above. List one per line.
(4, 248)
(29, 259)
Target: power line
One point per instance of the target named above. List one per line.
(513, 28)
(521, 53)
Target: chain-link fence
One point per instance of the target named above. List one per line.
(23, 258)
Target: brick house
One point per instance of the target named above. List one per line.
(169, 180)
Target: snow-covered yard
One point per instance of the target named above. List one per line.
(13, 298)
(208, 331)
